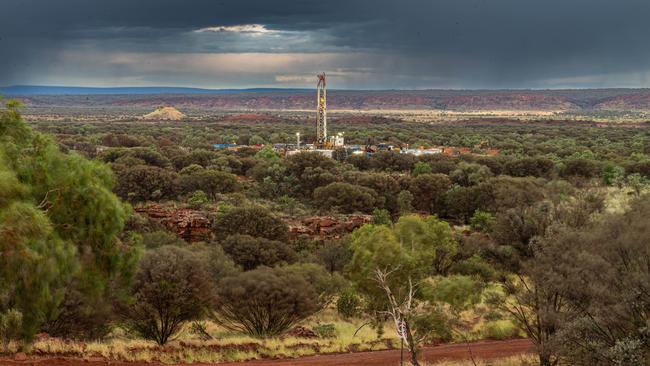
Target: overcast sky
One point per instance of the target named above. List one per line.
(360, 44)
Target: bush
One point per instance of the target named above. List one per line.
(499, 330)
(481, 221)
(210, 181)
(429, 191)
(250, 252)
(265, 302)
(253, 221)
(146, 183)
(333, 255)
(421, 168)
(197, 199)
(172, 287)
(345, 197)
(157, 239)
(10, 325)
(325, 330)
(381, 216)
(348, 304)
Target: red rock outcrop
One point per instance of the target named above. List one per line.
(190, 225)
(193, 225)
(326, 227)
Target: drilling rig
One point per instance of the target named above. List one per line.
(321, 123)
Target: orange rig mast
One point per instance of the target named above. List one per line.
(321, 99)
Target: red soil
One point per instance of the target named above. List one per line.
(480, 350)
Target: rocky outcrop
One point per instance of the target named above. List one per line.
(326, 227)
(190, 225)
(193, 225)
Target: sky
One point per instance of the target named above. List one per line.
(359, 44)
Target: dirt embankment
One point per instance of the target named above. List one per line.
(479, 350)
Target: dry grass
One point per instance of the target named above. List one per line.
(225, 347)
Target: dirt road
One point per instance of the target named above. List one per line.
(480, 350)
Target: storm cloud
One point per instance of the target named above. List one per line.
(361, 44)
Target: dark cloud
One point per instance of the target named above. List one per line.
(364, 43)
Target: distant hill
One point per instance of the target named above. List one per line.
(190, 99)
(164, 114)
(25, 90)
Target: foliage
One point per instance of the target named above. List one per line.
(251, 252)
(345, 197)
(141, 183)
(210, 181)
(253, 221)
(481, 221)
(421, 168)
(429, 191)
(59, 222)
(197, 199)
(348, 304)
(325, 330)
(10, 327)
(265, 302)
(172, 287)
(333, 255)
(390, 264)
(381, 217)
(405, 202)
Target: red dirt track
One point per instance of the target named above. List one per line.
(480, 350)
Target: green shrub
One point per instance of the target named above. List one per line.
(172, 286)
(197, 199)
(499, 330)
(481, 221)
(348, 304)
(11, 322)
(325, 330)
(265, 302)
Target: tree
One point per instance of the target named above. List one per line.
(172, 287)
(267, 153)
(429, 192)
(250, 252)
(581, 167)
(601, 273)
(199, 157)
(393, 161)
(612, 174)
(527, 167)
(390, 265)
(310, 171)
(210, 181)
(265, 302)
(146, 183)
(333, 255)
(197, 199)
(469, 174)
(381, 217)
(59, 229)
(421, 168)
(345, 197)
(538, 295)
(481, 221)
(386, 186)
(405, 202)
(254, 221)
